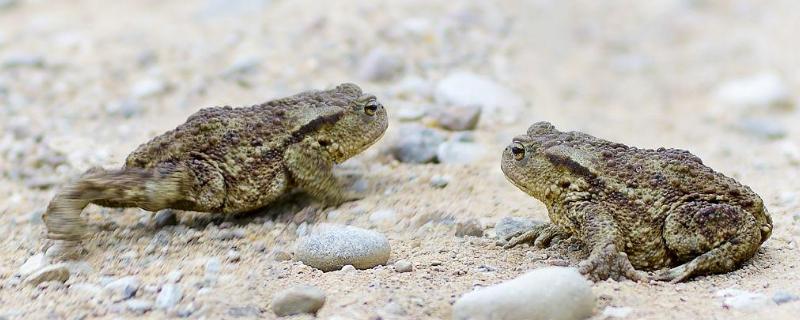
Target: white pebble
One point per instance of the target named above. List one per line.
(298, 300)
(743, 300)
(469, 89)
(552, 293)
(332, 246)
(169, 296)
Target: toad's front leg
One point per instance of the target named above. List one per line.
(311, 169)
(601, 234)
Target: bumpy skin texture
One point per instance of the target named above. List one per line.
(230, 160)
(635, 208)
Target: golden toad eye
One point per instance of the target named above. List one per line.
(518, 150)
(371, 107)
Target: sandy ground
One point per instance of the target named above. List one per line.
(82, 83)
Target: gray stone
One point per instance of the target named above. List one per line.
(233, 256)
(551, 293)
(212, 268)
(126, 108)
(765, 90)
(469, 89)
(332, 246)
(762, 128)
(743, 300)
(23, 60)
(379, 64)
(616, 312)
(510, 226)
(86, 290)
(440, 182)
(281, 255)
(186, 310)
(169, 296)
(57, 272)
(123, 288)
(402, 266)
(165, 218)
(174, 276)
(298, 300)
(383, 216)
(784, 297)
(139, 306)
(470, 228)
(415, 143)
(33, 263)
(456, 118)
(147, 88)
(454, 152)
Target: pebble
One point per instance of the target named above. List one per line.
(468, 89)
(784, 297)
(85, 290)
(229, 234)
(139, 306)
(123, 288)
(379, 64)
(547, 293)
(23, 60)
(332, 246)
(743, 300)
(126, 108)
(415, 143)
(383, 216)
(439, 181)
(509, 226)
(765, 90)
(411, 88)
(403, 265)
(33, 263)
(243, 64)
(298, 300)
(169, 296)
(281, 255)
(147, 88)
(762, 128)
(233, 256)
(348, 268)
(212, 269)
(174, 276)
(469, 228)
(456, 118)
(57, 272)
(394, 308)
(165, 218)
(455, 152)
(616, 312)
(186, 310)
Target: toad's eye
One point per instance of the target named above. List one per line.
(371, 107)
(518, 150)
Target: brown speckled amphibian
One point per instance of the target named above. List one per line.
(635, 208)
(229, 160)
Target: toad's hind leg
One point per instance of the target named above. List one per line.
(713, 238)
(149, 189)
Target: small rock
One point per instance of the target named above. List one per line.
(547, 293)
(244, 311)
(298, 300)
(510, 226)
(165, 218)
(148, 88)
(332, 246)
(762, 128)
(243, 64)
(126, 108)
(415, 143)
(57, 272)
(213, 267)
(617, 312)
(383, 216)
(6, 4)
(229, 234)
(469, 89)
(440, 182)
(139, 306)
(123, 288)
(412, 88)
(281, 255)
(436, 263)
(186, 310)
(784, 297)
(233, 256)
(403, 266)
(394, 308)
(456, 118)
(23, 60)
(766, 90)
(379, 65)
(459, 152)
(348, 268)
(33, 263)
(743, 300)
(469, 228)
(174, 276)
(86, 290)
(169, 296)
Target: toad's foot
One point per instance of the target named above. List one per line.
(606, 262)
(541, 236)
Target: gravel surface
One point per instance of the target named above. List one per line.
(83, 83)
